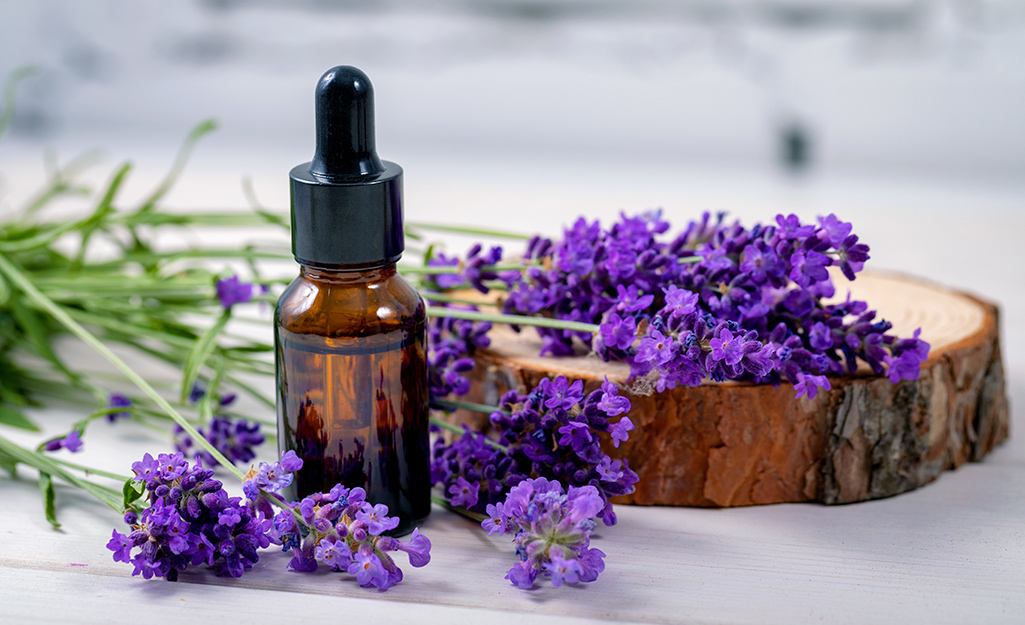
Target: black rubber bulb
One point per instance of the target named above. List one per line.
(346, 147)
(346, 202)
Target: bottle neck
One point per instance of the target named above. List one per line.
(348, 274)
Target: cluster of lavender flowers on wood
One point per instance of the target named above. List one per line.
(551, 432)
(717, 301)
(338, 527)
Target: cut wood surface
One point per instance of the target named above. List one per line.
(736, 444)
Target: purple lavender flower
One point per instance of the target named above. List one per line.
(560, 393)
(575, 434)
(563, 570)
(559, 443)
(820, 337)
(630, 300)
(146, 469)
(121, 547)
(463, 493)
(450, 343)
(522, 575)
(761, 264)
(576, 258)
(497, 521)
(335, 554)
(231, 291)
(808, 267)
(610, 470)
(852, 256)
(592, 562)
(290, 461)
(368, 569)
(492, 470)
(655, 348)
(791, 227)
(271, 477)
(679, 302)
(904, 367)
(69, 441)
(117, 400)
(834, 230)
(726, 348)
(620, 430)
(611, 403)
(810, 384)
(445, 280)
(171, 466)
(376, 518)
(417, 548)
(617, 332)
(474, 271)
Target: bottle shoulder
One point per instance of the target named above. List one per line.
(350, 308)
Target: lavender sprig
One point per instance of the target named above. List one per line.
(554, 432)
(190, 520)
(552, 531)
(338, 528)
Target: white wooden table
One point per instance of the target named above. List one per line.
(951, 552)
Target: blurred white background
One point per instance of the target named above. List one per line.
(904, 116)
(898, 87)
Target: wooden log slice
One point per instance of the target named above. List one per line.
(736, 444)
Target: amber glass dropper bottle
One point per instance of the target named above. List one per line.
(351, 348)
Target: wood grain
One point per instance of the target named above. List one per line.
(736, 444)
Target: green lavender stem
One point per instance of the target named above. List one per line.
(441, 501)
(439, 269)
(90, 470)
(501, 234)
(543, 322)
(445, 425)
(46, 464)
(465, 405)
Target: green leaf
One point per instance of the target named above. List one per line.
(200, 352)
(9, 464)
(103, 208)
(206, 404)
(46, 490)
(16, 76)
(179, 164)
(14, 418)
(131, 491)
(33, 326)
(429, 254)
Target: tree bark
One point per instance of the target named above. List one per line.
(736, 444)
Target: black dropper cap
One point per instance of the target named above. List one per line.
(346, 202)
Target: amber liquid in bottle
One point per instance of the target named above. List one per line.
(352, 378)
